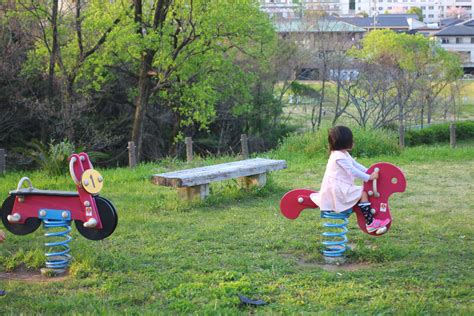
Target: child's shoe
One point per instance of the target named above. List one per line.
(377, 224)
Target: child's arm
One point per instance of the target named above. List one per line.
(359, 166)
(349, 167)
(2, 236)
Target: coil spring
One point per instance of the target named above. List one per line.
(59, 259)
(337, 247)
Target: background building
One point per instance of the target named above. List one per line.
(432, 10)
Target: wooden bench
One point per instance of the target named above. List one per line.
(194, 183)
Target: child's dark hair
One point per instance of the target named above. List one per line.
(339, 138)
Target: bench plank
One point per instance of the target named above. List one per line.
(225, 171)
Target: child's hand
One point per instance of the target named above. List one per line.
(2, 236)
(374, 175)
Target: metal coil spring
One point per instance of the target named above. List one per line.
(61, 258)
(337, 247)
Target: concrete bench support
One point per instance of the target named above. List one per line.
(258, 180)
(198, 192)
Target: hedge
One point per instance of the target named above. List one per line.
(439, 133)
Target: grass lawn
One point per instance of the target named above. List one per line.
(171, 257)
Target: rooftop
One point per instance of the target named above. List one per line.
(381, 21)
(465, 28)
(322, 25)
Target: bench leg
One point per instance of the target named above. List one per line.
(258, 180)
(192, 193)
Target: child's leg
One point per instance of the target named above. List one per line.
(364, 205)
(373, 225)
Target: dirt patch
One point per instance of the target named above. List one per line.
(30, 276)
(334, 266)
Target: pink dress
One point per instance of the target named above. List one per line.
(338, 192)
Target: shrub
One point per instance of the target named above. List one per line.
(51, 158)
(368, 143)
(439, 133)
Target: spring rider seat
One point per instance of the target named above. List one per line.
(391, 179)
(95, 217)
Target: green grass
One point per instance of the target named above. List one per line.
(172, 257)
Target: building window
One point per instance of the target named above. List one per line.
(352, 5)
(389, 8)
(430, 16)
(430, 7)
(472, 40)
(423, 7)
(458, 40)
(444, 40)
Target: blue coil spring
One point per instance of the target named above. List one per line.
(337, 246)
(59, 259)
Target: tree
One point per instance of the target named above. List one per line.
(176, 49)
(410, 63)
(417, 11)
(65, 38)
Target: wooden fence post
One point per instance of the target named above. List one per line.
(245, 146)
(189, 148)
(401, 133)
(132, 155)
(452, 135)
(3, 164)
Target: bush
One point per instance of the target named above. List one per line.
(439, 133)
(368, 143)
(51, 158)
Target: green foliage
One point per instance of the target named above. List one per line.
(417, 11)
(439, 133)
(368, 143)
(51, 158)
(411, 53)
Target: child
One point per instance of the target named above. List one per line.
(338, 192)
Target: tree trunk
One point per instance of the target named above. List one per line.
(141, 102)
(401, 129)
(54, 50)
(338, 100)
(322, 97)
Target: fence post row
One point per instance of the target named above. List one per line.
(132, 155)
(245, 146)
(189, 148)
(3, 164)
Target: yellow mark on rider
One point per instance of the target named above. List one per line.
(92, 181)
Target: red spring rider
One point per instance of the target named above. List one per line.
(95, 217)
(391, 179)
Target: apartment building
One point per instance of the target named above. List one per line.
(432, 10)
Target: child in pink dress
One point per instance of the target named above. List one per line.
(338, 192)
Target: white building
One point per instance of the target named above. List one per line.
(432, 10)
(459, 38)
